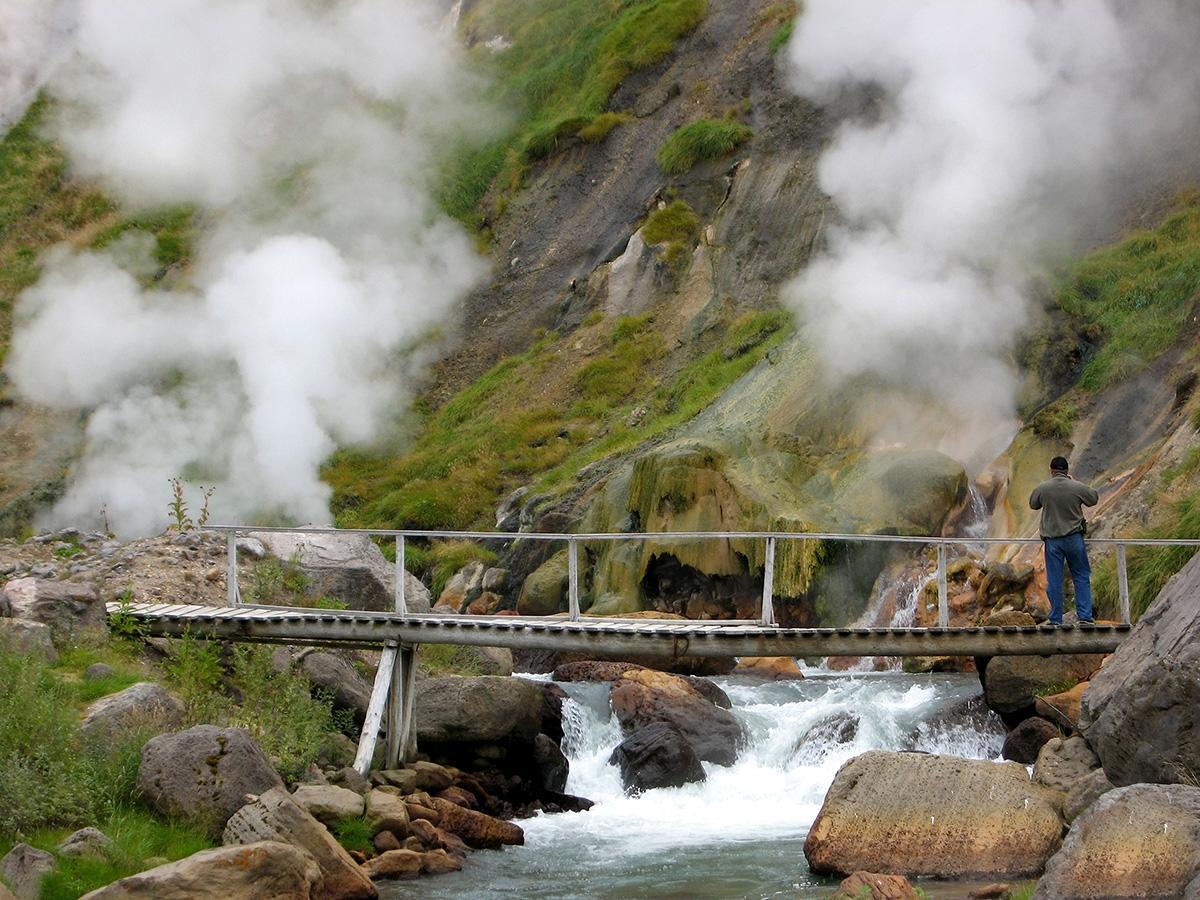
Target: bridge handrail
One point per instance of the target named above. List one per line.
(771, 537)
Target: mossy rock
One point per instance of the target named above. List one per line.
(544, 592)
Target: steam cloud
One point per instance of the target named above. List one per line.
(32, 32)
(1001, 134)
(307, 135)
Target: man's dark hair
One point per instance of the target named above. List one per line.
(1058, 464)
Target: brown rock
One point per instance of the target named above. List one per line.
(1008, 617)
(1013, 683)
(1084, 792)
(327, 803)
(475, 828)
(593, 670)
(993, 891)
(777, 668)
(394, 864)
(923, 814)
(275, 816)
(439, 862)
(1063, 709)
(460, 796)
(1138, 841)
(404, 779)
(420, 811)
(1061, 763)
(387, 812)
(431, 776)
(485, 604)
(643, 696)
(385, 841)
(1024, 742)
(870, 886)
(249, 872)
(412, 843)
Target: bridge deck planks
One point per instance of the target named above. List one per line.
(664, 637)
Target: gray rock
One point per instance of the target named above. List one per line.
(551, 763)
(1062, 762)
(352, 780)
(1084, 792)
(96, 671)
(463, 587)
(330, 673)
(483, 709)
(33, 638)
(85, 842)
(924, 814)
(251, 547)
(656, 756)
(43, 570)
(1137, 841)
(328, 804)
(250, 872)
(1013, 683)
(404, 779)
(1141, 712)
(23, 868)
(202, 775)
(386, 812)
(67, 607)
(275, 816)
(349, 567)
(336, 750)
(1025, 742)
(494, 580)
(431, 776)
(143, 705)
(5, 606)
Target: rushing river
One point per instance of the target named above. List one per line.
(740, 833)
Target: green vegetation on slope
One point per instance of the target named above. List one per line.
(1137, 295)
(567, 58)
(701, 140)
(509, 428)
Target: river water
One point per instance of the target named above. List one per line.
(741, 833)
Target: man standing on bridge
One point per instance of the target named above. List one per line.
(1061, 500)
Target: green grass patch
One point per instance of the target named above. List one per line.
(1136, 295)
(701, 140)
(1185, 468)
(782, 35)
(277, 582)
(674, 228)
(137, 837)
(1149, 568)
(173, 229)
(1056, 421)
(355, 834)
(567, 58)
(599, 127)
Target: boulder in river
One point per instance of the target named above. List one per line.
(1012, 684)
(249, 872)
(654, 756)
(643, 696)
(774, 668)
(1025, 741)
(1141, 712)
(873, 886)
(275, 816)
(826, 735)
(486, 708)
(1137, 841)
(475, 828)
(940, 816)
(1062, 762)
(202, 775)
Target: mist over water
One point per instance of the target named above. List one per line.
(33, 35)
(308, 138)
(987, 142)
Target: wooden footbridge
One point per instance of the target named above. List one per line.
(398, 632)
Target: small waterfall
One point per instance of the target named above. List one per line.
(450, 20)
(975, 524)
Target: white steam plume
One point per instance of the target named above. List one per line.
(32, 36)
(307, 135)
(1000, 134)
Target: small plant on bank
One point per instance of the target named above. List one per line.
(601, 126)
(675, 228)
(182, 520)
(701, 140)
(355, 834)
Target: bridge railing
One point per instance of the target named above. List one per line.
(771, 538)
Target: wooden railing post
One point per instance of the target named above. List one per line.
(943, 598)
(768, 605)
(376, 707)
(573, 578)
(1123, 583)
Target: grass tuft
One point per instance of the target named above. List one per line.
(701, 140)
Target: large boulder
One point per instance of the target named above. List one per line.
(28, 638)
(140, 706)
(475, 828)
(593, 670)
(275, 816)
(654, 756)
(23, 868)
(1025, 741)
(643, 696)
(1084, 792)
(339, 679)
(551, 763)
(265, 869)
(544, 592)
(328, 803)
(923, 814)
(1012, 684)
(1137, 841)
(1060, 763)
(483, 709)
(1141, 712)
(350, 567)
(202, 775)
(67, 607)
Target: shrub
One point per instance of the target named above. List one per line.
(355, 834)
(701, 140)
(600, 126)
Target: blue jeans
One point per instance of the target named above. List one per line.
(1070, 549)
